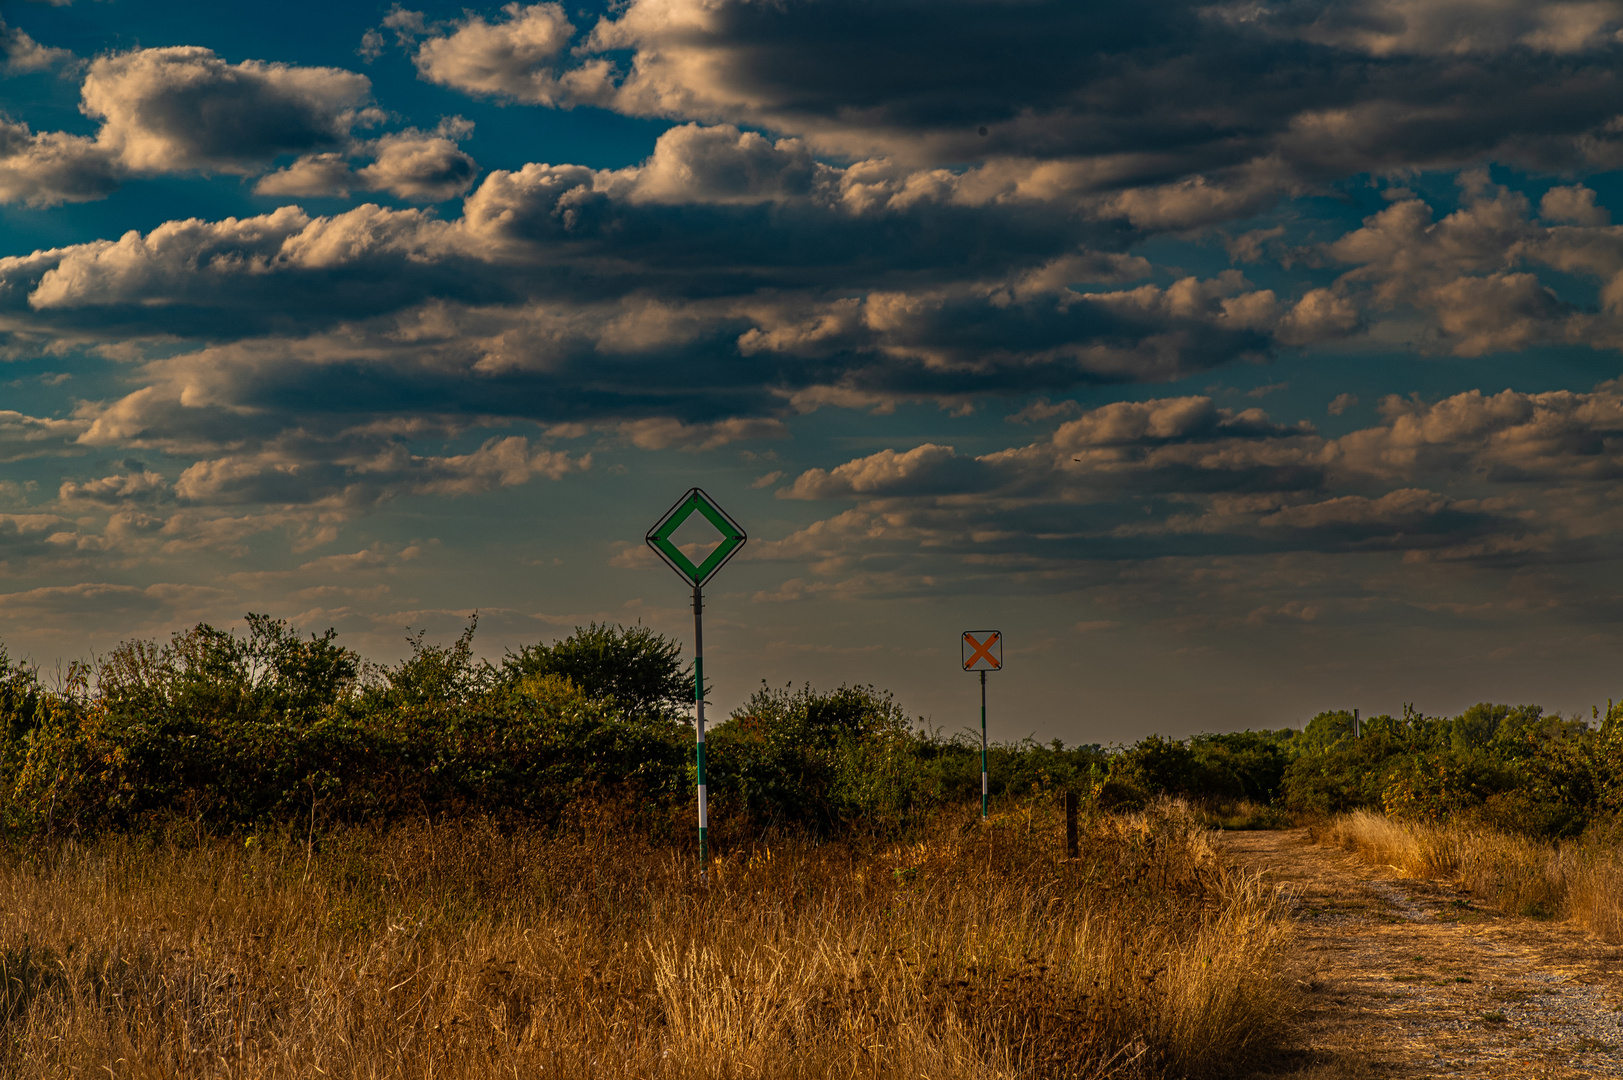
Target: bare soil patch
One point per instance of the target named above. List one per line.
(1402, 977)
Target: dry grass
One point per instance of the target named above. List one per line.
(428, 950)
(1582, 882)
(1241, 814)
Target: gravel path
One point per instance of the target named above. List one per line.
(1409, 978)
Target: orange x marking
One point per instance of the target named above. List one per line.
(981, 651)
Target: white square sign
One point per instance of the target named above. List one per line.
(983, 650)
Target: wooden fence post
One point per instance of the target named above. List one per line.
(1070, 825)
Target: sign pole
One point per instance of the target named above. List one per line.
(698, 723)
(983, 652)
(983, 745)
(661, 539)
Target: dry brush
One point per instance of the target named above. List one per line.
(462, 949)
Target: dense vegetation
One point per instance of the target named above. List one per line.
(236, 730)
(241, 729)
(1515, 768)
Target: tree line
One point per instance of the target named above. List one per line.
(239, 729)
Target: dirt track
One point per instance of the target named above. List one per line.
(1410, 978)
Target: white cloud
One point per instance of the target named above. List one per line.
(310, 175)
(52, 167)
(667, 433)
(183, 258)
(695, 164)
(24, 54)
(414, 165)
(183, 108)
(516, 57)
(915, 470)
(1573, 205)
(419, 166)
(146, 487)
(23, 436)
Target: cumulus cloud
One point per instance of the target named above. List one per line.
(23, 436)
(818, 230)
(1509, 437)
(25, 535)
(1192, 113)
(517, 57)
(194, 266)
(764, 210)
(51, 167)
(184, 108)
(914, 472)
(1474, 275)
(667, 433)
(422, 167)
(266, 480)
(146, 487)
(1510, 479)
(1341, 403)
(1572, 205)
(414, 165)
(565, 265)
(363, 472)
(312, 174)
(23, 54)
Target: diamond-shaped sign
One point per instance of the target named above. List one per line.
(696, 502)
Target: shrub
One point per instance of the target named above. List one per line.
(1335, 772)
(638, 671)
(1240, 765)
(236, 730)
(843, 758)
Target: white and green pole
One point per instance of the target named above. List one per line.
(985, 787)
(698, 726)
(983, 651)
(662, 539)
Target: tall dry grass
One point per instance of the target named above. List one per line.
(1582, 882)
(434, 950)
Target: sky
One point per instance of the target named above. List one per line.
(1236, 360)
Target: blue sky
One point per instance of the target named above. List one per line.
(1236, 360)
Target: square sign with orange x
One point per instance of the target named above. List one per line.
(983, 650)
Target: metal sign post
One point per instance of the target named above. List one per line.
(732, 538)
(983, 651)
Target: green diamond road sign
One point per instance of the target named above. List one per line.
(696, 502)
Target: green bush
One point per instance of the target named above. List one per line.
(235, 730)
(1239, 765)
(1333, 772)
(843, 759)
(636, 670)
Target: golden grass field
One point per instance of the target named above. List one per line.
(1581, 882)
(453, 950)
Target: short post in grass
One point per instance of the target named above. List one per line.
(662, 539)
(983, 651)
(1071, 850)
